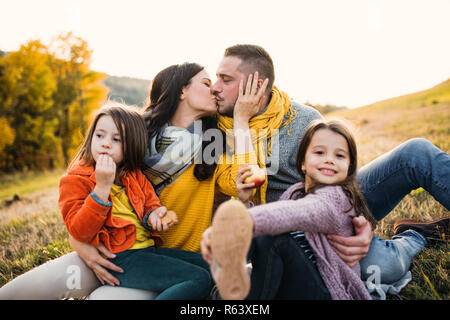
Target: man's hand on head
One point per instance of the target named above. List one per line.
(249, 102)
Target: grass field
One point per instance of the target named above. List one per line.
(32, 231)
(379, 128)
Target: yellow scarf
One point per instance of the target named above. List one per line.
(261, 126)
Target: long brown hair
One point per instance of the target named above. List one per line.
(165, 95)
(349, 185)
(133, 135)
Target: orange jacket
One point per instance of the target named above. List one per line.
(89, 221)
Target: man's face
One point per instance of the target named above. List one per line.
(226, 88)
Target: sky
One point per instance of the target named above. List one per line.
(346, 53)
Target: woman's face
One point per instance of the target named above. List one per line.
(198, 94)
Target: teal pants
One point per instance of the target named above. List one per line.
(175, 273)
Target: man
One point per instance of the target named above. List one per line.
(384, 181)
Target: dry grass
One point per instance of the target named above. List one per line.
(381, 127)
(32, 231)
(37, 203)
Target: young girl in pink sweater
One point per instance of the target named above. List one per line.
(325, 203)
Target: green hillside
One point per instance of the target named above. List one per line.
(130, 91)
(383, 125)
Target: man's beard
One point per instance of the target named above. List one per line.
(226, 110)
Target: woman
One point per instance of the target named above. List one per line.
(181, 109)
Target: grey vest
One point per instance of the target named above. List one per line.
(281, 166)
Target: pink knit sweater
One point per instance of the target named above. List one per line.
(317, 214)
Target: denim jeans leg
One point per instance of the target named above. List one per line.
(164, 270)
(415, 163)
(389, 260)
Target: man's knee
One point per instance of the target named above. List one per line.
(416, 149)
(417, 144)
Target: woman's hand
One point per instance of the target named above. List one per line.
(91, 256)
(245, 190)
(249, 102)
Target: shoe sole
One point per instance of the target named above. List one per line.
(231, 235)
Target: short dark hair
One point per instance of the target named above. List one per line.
(254, 58)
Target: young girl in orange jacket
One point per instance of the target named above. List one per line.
(105, 198)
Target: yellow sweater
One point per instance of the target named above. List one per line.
(193, 201)
(122, 208)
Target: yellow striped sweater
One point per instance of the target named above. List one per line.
(193, 201)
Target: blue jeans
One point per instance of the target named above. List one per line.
(384, 182)
(391, 259)
(416, 163)
(177, 274)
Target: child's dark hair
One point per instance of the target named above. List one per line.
(349, 185)
(133, 135)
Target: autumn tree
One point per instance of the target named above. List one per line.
(79, 91)
(47, 96)
(27, 86)
(8, 134)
